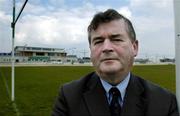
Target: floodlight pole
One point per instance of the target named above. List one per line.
(177, 47)
(12, 54)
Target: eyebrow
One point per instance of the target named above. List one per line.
(115, 35)
(111, 36)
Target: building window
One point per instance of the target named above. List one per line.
(36, 48)
(47, 49)
(39, 54)
(51, 54)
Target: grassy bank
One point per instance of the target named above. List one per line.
(37, 87)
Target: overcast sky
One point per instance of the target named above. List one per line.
(63, 24)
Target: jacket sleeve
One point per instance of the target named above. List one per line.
(173, 111)
(60, 107)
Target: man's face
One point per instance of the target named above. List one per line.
(111, 48)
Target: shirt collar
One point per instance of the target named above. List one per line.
(121, 86)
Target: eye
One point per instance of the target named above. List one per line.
(117, 39)
(98, 42)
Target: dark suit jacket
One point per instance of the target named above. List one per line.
(86, 97)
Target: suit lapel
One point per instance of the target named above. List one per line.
(95, 98)
(134, 102)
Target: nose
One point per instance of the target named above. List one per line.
(107, 46)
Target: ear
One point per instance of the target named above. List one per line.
(90, 52)
(135, 47)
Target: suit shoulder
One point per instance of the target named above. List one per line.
(77, 85)
(153, 88)
(160, 101)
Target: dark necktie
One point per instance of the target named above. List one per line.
(115, 107)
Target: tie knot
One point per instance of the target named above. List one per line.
(114, 91)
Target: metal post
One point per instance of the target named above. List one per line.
(177, 47)
(13, 39)
(12, 59)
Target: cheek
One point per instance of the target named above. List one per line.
(95, 54)
(124, 51)
(120, 50)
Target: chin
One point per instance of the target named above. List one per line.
(109, 69)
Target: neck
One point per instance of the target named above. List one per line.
(113, 79)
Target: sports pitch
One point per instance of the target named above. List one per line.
(36, 87)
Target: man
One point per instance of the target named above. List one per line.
(112, 90)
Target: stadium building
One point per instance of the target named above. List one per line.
(35, 54)
(5, 57)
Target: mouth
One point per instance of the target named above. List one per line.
(108, 59)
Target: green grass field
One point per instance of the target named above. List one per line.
(36, 87)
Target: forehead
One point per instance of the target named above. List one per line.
(110, 28)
